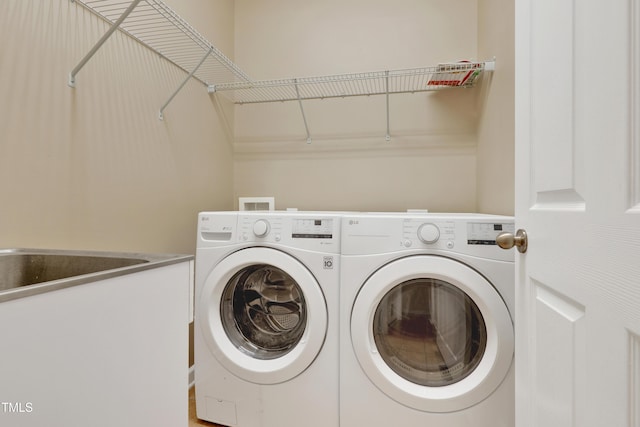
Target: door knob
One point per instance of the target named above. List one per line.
(508, 240)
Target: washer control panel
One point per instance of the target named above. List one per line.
(304, 230)
(275, 228)
(255, 228)
(312, 228)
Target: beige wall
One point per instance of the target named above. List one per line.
(93, 167)
(431, 159)
(496, 127)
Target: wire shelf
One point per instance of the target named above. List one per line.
(158, 27)
(463, 74)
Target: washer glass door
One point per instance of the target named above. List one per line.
(263, 311)
(263, 315)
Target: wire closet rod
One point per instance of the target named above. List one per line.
(442, 76)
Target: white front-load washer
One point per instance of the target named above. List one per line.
(426, 306)
(266, 330)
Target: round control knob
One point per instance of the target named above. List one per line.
(260, 228)
(428, 233)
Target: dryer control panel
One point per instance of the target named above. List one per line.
(471, 234)
(418, 231)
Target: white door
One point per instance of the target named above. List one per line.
(578, 197)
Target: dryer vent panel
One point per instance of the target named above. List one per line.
(256, 203)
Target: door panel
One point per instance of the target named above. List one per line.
(552, 102)
(559, 325)
(634, 380)
(634, 142)
(578, 197)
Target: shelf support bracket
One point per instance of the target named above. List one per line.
(388, 136)
(206, 55)
(98, 45)
(304, 118)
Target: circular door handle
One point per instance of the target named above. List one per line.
(508, 240)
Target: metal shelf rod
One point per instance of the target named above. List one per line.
(98, 45)
(304, 118)
(160, 115)
(388, 136)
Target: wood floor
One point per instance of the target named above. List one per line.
(193, 420)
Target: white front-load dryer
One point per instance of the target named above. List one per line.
(266, 330)
(427, 336)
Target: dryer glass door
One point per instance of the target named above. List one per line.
(432, 333)
(263, 311)
(429, 332)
